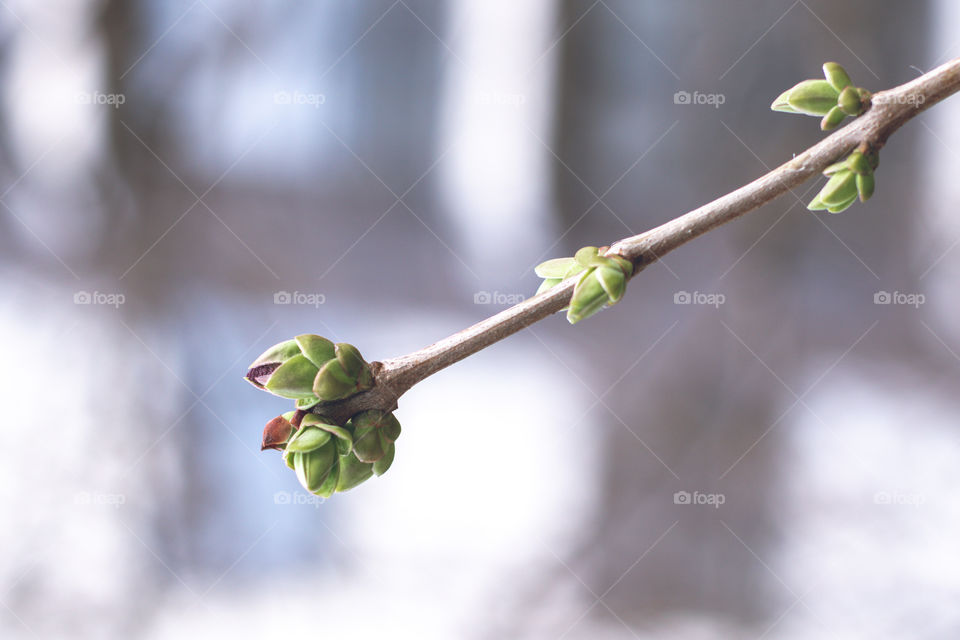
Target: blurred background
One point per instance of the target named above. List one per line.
(759, 441)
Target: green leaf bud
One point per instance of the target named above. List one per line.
(333, 383)
(857, 162)
(833, 119)
(586, 256)
(315, 467)
(353, 472)
(813, 97)
(556, 268)
(373, 433)
(849, 102)
(350, 359)
(613, 282)
(308, 439)
(836, 76)
(316, 348)
(782, 103)
(839, 188)
(588, 298)
(293, 379)
(865, 186)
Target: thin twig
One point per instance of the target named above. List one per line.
(889, 111)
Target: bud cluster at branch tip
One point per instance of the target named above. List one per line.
(849, 179)
(326, 457)
(601, 282)
(311, 369)
(831, 99)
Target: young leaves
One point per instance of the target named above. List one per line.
(602, 280)
(831, 99)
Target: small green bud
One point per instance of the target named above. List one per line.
(865, 186)
(588, 298)
(333, 383)
(350, 359)
(833, 119)
(587, 256)
(839, 188)
(849, 102)
(836, 76)
(613, 281)
(353, 472)
(374, 432)
(293, 379)
(315, 468)
(857, 162)
(813, 97)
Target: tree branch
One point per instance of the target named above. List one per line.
(888, 112)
